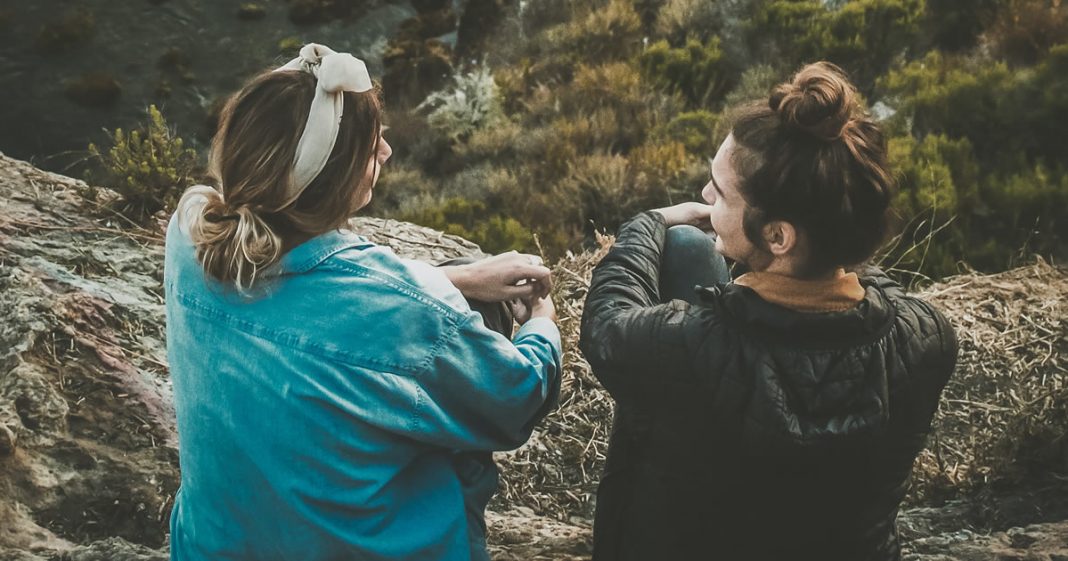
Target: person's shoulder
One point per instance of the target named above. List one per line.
(410, 279)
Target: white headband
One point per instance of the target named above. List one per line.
(336, 73)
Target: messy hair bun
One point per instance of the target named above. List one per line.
(810, 155)
(819, 100)
(232, 243)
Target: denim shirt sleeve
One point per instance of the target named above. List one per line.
(483, 391)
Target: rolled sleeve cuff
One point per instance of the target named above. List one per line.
(544, 327)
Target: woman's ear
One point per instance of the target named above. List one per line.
(780, 237)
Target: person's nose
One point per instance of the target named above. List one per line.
(384, 150)
(709, 193)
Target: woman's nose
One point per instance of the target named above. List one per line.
(384, 150)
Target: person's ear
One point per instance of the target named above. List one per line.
(780, 237)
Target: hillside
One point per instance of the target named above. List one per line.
(88, 464)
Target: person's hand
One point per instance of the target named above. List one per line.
(693, 214)
(504, 277)
(525, 309)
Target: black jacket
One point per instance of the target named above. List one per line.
(748, 431)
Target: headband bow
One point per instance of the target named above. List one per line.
(336, 73)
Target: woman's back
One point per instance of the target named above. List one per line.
(323, 416)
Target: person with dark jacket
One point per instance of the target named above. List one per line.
(776, 415)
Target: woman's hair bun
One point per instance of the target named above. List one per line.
(819, 100)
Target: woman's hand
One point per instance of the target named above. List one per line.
(525, 309)
(504, 277)
(693, 214)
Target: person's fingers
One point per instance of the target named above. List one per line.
(523, 291)
(542, 288)
(536, 273)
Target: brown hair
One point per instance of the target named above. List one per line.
(809, 155)
(246, 224)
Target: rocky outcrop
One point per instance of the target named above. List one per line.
(88, 464)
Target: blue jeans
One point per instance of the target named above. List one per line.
(690, 260)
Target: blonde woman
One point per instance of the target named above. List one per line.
(335, 401)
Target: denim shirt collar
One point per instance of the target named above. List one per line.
(311, 253)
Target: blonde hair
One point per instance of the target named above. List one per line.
(245, 225)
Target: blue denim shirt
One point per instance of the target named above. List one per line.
(343, 411)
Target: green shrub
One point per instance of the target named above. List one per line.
(755, 84)
(1028, 214)
(470, 104)
(658, 168)
(862, 36)
(941, 95)
(679, 19)
(697, 71)
(937, 194)
(954, 26)
(610, 32)
(471, 220)
(399, 187)
(149, 167)
(1025, 30)
(617, 86)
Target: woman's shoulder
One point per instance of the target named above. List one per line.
(410, 279)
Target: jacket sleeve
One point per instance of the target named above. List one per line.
(633, 343)
(484, 392)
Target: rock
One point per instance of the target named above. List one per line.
(1037, 542)
(251, 12)
(8, 439)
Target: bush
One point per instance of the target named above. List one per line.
(1028, 215)
(939, 95)
(696, 71)
(472, 220)
(149, 167)
(680, 19)
(611, 32)
(1026, 30)
(470, 104)
(400, 187)
(936, 198)
(658, 169)
(862, 36)
(955, 26)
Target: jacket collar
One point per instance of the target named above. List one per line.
(836, 294)
(747, 310)
(311, 253)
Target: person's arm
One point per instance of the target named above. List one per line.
(626, 334)
(484, 392)
(503, 277)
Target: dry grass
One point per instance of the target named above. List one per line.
(557, 471)
(1004, 414)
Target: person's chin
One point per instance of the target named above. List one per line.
(720, 249)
